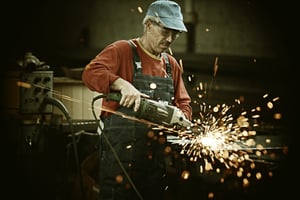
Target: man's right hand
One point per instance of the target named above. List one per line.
(130, 95)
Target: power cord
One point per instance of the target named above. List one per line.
(111, 147)
(55, 102)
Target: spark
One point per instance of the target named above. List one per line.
(226, 138)
(219, 136)
(23, 84)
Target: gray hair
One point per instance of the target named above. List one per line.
(150, 18)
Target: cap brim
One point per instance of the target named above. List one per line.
(173, 24)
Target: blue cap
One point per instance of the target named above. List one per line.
(169, 13)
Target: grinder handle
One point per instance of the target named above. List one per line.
(114, 97)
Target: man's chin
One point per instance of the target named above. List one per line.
(164, 48)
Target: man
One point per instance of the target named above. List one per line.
(132, 164)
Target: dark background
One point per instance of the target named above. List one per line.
(24, 29)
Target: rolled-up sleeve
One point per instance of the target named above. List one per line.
(101, 71)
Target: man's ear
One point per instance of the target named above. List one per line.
(148, 24)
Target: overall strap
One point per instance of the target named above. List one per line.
(136, 59)
(168, 66)
(137, 62)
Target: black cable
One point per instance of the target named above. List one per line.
(112, 148)
(93, 102)
(64, 110)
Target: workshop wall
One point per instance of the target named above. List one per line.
(73, 31)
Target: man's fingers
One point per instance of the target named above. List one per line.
(137, 104)
(145, 95)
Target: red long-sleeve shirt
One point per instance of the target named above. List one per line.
(116, 60)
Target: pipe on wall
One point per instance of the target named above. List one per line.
(190, 20)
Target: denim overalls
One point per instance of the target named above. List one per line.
(139, 149)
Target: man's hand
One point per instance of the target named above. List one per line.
(130, 95)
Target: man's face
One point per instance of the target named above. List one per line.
(160, 37)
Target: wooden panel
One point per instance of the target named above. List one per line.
(76, 103)
(76, 97)
(87, 105)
